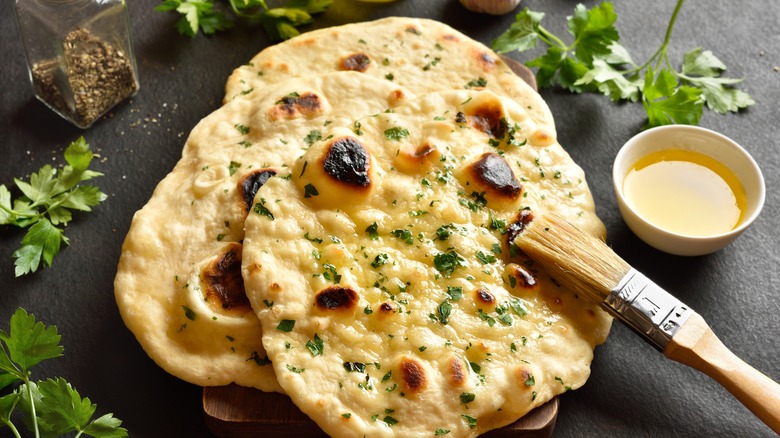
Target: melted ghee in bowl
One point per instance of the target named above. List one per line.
(685, 192)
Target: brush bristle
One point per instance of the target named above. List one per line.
(576, 259)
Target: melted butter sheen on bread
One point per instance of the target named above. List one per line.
(391, 299)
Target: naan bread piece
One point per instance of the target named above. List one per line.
(381, 267)
(420, 54)
(178, 284)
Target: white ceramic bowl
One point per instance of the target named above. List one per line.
(699, 140)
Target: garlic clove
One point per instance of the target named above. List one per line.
(494, 7)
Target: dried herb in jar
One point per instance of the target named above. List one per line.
(91, 77)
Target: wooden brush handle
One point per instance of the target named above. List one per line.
(697, 346)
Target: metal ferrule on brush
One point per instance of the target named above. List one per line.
(647, 308)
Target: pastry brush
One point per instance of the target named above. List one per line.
(585, 264)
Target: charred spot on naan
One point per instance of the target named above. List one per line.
(492, 173)
(348, 162)
(336, 298)
(485, 113)
(335, 173)
(525, 378)
(249, 184)
(386, 310)
(358, 62)
(417, 157)
(517, 226)
(520, 277)
(295, 105)
(483, 296)
(222, 284)
(485, 60)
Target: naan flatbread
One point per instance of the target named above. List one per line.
(419, 54)
(178, 284)
(381, 267)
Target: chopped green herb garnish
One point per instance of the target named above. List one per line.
(404, 235)
(312, 137)
(309, 190)
(189, 313)
(446, 262)
(233, 167)
(476, 203)
(467, 397)
(353, 367)
(487, 318)
(372, 231)
(262, 210)
(330, 273)
(261, 361)
(396, 133)
(242, 128)
(286, 325)
(390, 421)
(444, 231)
(485, 258)
(379, 260)
(316, 240)
(472, 422)
(475, 83)
(518, 306)
(455, 292)
(316, 346)
(295, 370)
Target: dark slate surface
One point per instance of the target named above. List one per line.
(633, 391)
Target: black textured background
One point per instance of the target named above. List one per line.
(633, 390)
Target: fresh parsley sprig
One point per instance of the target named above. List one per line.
(279, 23)
(46, 201)
(50, 407)
(596, 62)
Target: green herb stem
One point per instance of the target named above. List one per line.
(32, 406)
(550, 38)
(661, 54)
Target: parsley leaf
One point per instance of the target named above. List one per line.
(46, 201)
(596, 62)
(51, 407)
(279, 23)
(701, 68)
(667, 102)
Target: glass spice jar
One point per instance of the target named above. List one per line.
(79, 55)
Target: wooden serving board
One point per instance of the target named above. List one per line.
(237, 412)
